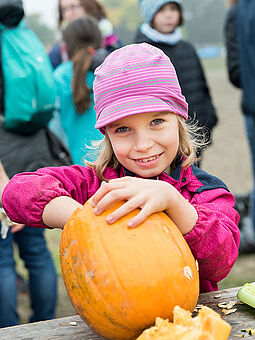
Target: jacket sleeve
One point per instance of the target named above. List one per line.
(230, 35)
(26, 195)
(55, 55)
(214, 240)
(210, 119)
(198, 93)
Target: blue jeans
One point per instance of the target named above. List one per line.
(42, 276)
(250, 131)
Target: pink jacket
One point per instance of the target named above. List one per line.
(214, 240)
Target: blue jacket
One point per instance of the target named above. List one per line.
(55, 55)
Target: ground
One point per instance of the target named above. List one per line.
(228, 158)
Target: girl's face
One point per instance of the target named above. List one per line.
(145, 143)
(167, 18)
(71, 10)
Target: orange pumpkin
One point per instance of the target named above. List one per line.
(120, 279)
(206, 325)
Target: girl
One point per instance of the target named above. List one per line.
(74, 115)
(146, 159)
(69, 10)
(161, 28)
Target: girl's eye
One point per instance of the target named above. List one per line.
(157, 121)
(122, 129)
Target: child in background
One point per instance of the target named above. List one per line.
(161, 28)
(74, 116)
(147, 150)
(69, 10)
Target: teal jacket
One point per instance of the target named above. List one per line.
(76, 130)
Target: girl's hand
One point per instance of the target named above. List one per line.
(149, 195)
(57, 212)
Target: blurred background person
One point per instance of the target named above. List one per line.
(19, 153)
(33, 250)
(74, 117)
(161, 28)
(240, 45)
(69, 10)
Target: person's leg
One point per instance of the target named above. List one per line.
(42, 274)
(8, 287)
(248, 242)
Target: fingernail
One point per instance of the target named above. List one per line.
(102, 183)
(109, 219)
(97, 211)
(93, 204)
(130, 224)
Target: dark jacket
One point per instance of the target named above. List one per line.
(233, 63)
(191, 78)
(245, 23)
(55, 55)
(233, 54)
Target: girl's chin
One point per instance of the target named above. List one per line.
(148, 173)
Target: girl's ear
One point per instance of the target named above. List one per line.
(91, 50)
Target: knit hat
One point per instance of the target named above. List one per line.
(150, 7)
(134, 79)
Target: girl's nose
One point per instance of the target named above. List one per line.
(142, 142)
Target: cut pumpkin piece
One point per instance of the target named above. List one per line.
(207, 325)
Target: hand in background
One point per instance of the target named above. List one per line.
(17, 227)
(3, 180)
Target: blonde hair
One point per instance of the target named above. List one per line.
(191, 138)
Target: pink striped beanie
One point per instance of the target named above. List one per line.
(134, 79)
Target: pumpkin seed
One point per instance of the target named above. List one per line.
(229, 311)
(217, 296)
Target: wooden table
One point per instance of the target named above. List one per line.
(73, 328)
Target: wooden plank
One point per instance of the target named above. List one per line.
(63, 329)
(56, 329)
(243, 318)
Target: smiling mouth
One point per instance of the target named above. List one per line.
(149, 159)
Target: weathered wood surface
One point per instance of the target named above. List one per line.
(62, 329)
(243, 318)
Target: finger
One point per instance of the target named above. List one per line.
(125, 209)
(109, 198)
(103, 190)
(140, 217)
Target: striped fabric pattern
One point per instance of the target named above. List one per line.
(149, 8)
(134, 79)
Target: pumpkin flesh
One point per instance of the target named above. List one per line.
(207, 325)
